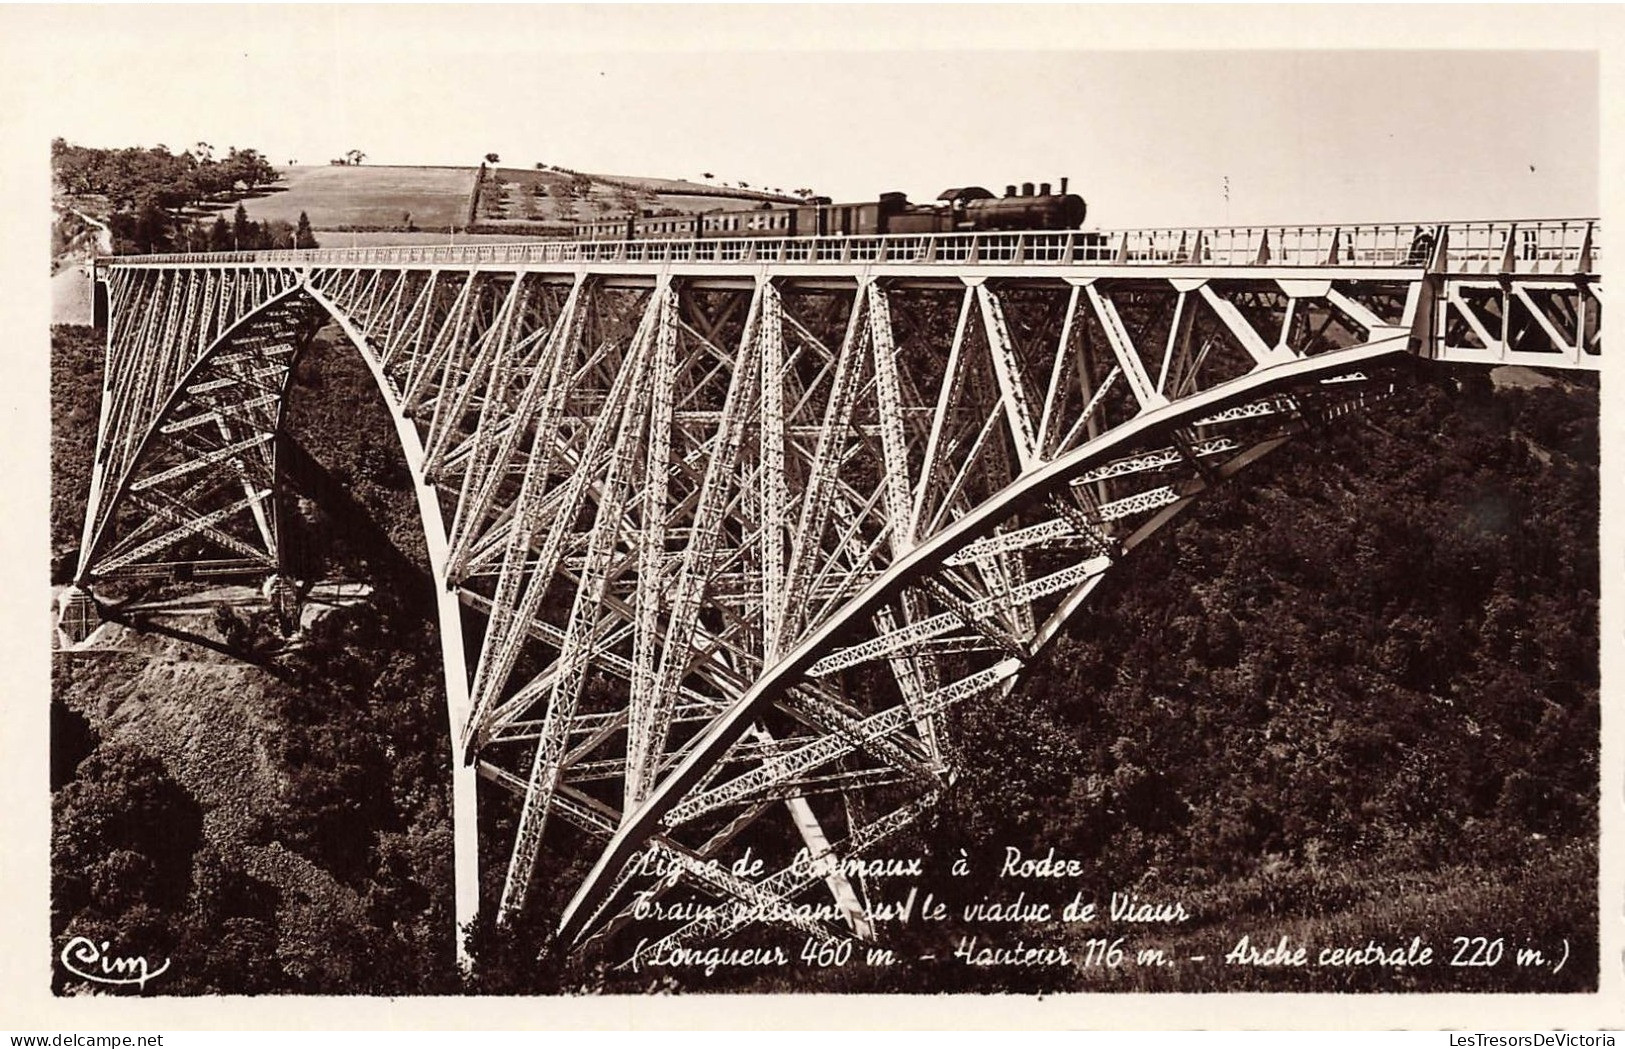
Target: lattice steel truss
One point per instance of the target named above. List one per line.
(742, 534)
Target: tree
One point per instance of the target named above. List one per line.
(123, 818)
(242, 231)
(220, 235)
(303, 237)
(75, 168)
(209, 179)
(249, 168)
(151, 226)
(354, 156)
(278, 234)
(492, 158)
(193, 236)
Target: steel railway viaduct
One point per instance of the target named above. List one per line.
(739, 521)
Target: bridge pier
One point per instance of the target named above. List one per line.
(283, 593)
(77, 615)
(100, 308)
(465, 845)
(465, 838)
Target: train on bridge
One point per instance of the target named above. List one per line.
(967, 209)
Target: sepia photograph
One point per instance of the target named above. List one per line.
(581, 503)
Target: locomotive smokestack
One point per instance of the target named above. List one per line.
(1010, 190)
(1063, 185)
(1043, 189)
(1026, 189)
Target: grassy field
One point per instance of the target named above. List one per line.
(380, 198)
(335, 196)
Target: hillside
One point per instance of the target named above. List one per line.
(274, 813)
(514, 201)
(138, 200)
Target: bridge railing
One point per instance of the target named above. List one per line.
(1537, 246)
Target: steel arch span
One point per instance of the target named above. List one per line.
(743, 526)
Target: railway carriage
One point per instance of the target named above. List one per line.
(958, 210)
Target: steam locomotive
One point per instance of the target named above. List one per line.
(965, 209)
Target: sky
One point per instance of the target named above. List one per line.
(853, 102)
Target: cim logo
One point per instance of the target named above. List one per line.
(84, 958)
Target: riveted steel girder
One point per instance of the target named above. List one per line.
(743, 530)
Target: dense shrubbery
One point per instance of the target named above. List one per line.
(126, 177)
(76, 391)
(128, 869)
(1379, 657)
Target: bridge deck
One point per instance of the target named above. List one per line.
(1541, 246)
